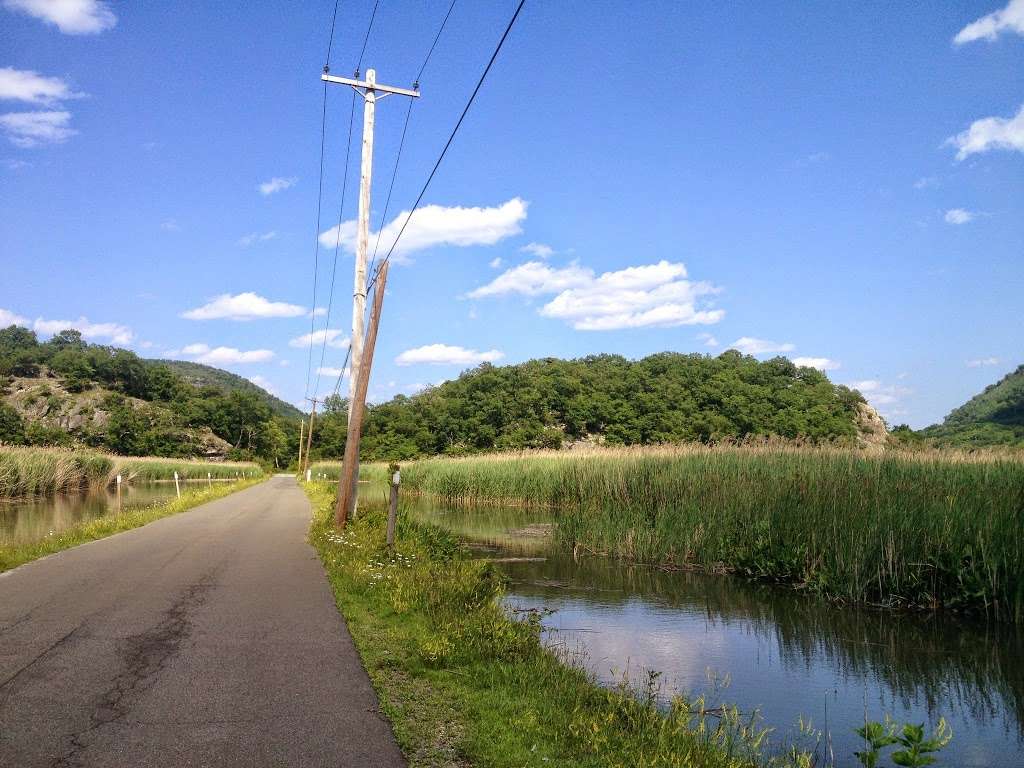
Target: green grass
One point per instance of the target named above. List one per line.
(463, 683)
(923, 529)
(40, 471)
(15, 555)
(36, 471)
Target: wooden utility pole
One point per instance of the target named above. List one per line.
(302, 427)
(371, 92)
(309, 435)
(348, 482)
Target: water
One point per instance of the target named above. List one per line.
(25, 521)
(762, 647)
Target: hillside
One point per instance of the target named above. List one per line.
(993, 417)
(201, 375)
(662, 398)
(65, 391)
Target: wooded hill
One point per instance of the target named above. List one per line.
(67, 392)
(551, 403)
(199, 375)
(993, 417)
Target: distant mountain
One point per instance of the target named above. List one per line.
(201, 375)
(995, 416)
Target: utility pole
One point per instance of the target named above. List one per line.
(309, 435)
(302, 428)
(348, 483)
(372, 92)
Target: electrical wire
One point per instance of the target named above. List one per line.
(434, 44)
(316, 237)
(451, 138)
(366, 39)
(337, 244)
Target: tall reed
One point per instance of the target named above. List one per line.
(37, 471)
(923, 529)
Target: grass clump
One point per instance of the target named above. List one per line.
(463, 682)
(144, 468)
(924, 529)
(18, 554)
(37, 471)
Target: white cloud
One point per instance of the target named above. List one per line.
(16, 164)
(990, 133)
(926, 181)
(334, 339)
(708, 339)
(170, 225)
(958, 216)
(434, 225)
(534, 278)
(113, 332)
(72, 17)
(821, 363)
(203, 353)
(983, 361)
(276, 184)
(29, 86)
(9, 318)
(880, 395)
(263, 383)
(329, 371)
(495, 263)
(1008, 19)
(256, 237)
(634, 297)
(751, 346)
(443, 354)
(540, 250)
(31, 129)
(243, 306)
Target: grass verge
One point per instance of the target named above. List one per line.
(465, 684)
(924, 529)
(15, 555)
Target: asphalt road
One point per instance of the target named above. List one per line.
(209, 638)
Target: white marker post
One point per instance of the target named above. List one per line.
(209, 479)
(177, 487)
(118, 493)
(309, 474)
(396, 479)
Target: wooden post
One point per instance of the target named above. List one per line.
(348, 482)
(302, 431)
(177, 488)
(396, 478)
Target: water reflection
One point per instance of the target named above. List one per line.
(785, 654)
(28, 520)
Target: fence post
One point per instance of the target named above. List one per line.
(118, 493)
(177, 488)
(209, 479)
(396, 479)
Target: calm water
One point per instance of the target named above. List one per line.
(762, 647)
(27, 520)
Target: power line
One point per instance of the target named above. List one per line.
(391, 188)
(330, 42)
(436, 38)
(366, 39)
(451, 138)
(316, 237)
(337, 244)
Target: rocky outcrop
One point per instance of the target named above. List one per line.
(871, 429)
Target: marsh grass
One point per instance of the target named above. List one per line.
(464, 683)
(40, 471)
(18, 554)
(921, 529)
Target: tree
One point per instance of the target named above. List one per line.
(12, 428)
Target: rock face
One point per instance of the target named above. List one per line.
(871, 430)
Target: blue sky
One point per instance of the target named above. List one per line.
(839, 182)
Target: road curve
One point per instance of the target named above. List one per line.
(209, 638)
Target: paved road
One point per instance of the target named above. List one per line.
(205, 639)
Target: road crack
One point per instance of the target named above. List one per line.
(144, 657)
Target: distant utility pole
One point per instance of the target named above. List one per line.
(372, 92)
(309, 435)
(302, 427)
